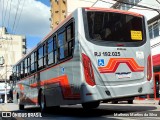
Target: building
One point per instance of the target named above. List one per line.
(62, 8)
(12, 48)
(154, 32)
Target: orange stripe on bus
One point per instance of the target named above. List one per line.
(114, 63)
(64, 83)
(21, 87)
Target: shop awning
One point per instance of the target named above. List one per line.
(156, 60)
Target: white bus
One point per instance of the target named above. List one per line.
(94, 55)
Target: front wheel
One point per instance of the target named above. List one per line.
(21, 107)
(90, 105)
(42, 102)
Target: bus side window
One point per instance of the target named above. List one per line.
(50, 51)
(54, 49)
(33, 62)
(70, 38)
(25, 67)
(22, 69)
(18, 71)
(41, 57)
(28, 65)
(61, 43)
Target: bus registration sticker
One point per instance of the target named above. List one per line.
(136, 35)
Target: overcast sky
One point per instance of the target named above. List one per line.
(26, 17)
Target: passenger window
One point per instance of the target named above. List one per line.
(42, 57)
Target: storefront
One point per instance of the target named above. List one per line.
(156, 79)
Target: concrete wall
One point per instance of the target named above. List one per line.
(11, 49)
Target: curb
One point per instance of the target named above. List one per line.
(156, 102)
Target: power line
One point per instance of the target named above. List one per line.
(158, 1)
(5, 11)
(9, 14)
(19, 16)
(16, 15)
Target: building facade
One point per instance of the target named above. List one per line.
(12, 48)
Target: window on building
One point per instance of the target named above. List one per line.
(155, 30)
(52, 48)
(150, 32)
(127, 6)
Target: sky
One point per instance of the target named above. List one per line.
(31, 18)
(26, 17)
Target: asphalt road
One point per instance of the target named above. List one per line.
(76, 112)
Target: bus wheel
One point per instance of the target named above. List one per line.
(21, 107)
(114, 102)
(90, 105)
(130, 101)
(42, 102)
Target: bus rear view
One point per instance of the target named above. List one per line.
(118, 48)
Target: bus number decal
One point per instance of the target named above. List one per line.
(107, 54)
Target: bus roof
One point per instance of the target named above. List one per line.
(112, 10)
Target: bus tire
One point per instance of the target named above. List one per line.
(130, 101)
(90, 105)
(114, 102)
(21, 107)
(42, 102)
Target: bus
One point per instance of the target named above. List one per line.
(95, 54)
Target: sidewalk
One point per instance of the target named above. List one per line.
(146, 102)
(8, 107)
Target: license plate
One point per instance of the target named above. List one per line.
(123, 75)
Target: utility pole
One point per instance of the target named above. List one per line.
(5, 98)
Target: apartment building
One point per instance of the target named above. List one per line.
(12, 48)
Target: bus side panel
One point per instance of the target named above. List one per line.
(67, 80)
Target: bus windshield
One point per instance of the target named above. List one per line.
(108, 26)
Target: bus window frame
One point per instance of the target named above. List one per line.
(35, 51)
(114, 43)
